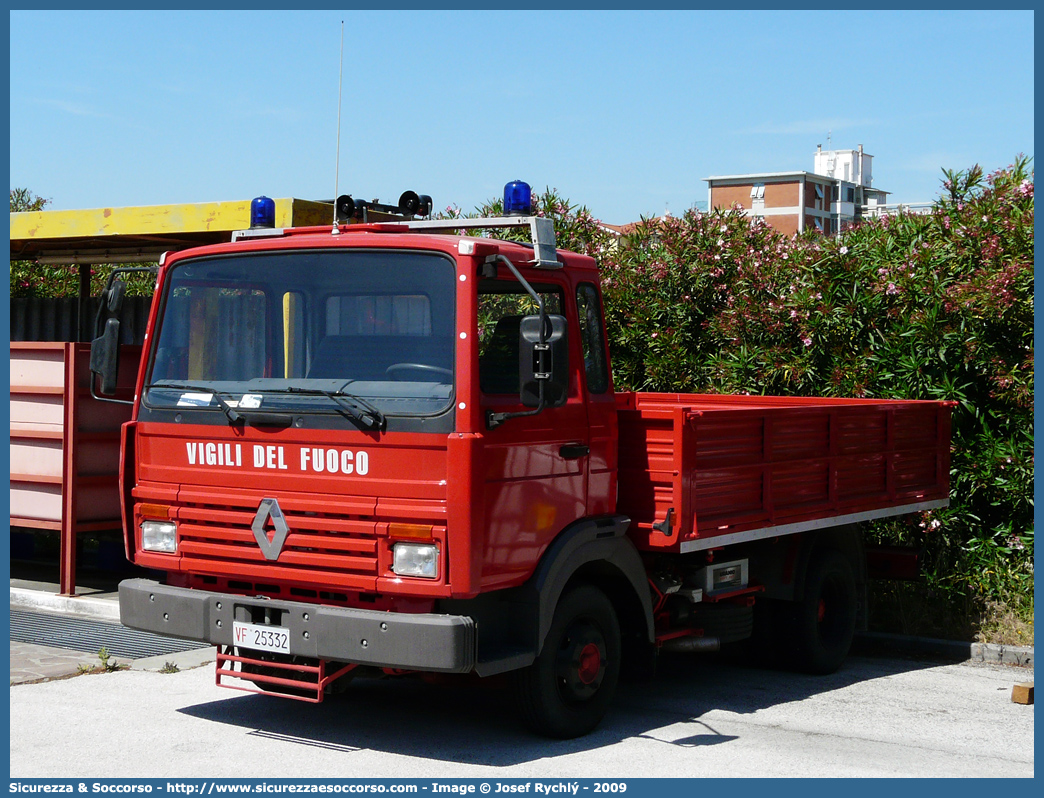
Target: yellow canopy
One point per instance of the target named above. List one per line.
(135, 234)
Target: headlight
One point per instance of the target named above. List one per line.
(415, 559)
(159, 536)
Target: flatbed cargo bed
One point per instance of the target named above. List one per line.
(727, 469)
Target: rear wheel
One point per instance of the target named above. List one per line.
(825, 618)
(567, 690)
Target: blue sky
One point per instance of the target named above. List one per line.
(623, 111)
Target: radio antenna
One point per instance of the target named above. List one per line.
(337, 158)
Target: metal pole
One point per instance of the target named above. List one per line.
(337, 159)
(82, 333)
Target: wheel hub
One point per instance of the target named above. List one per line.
(581, 662)
(590, 663)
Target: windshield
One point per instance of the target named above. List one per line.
(296, 332)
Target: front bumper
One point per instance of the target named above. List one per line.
(423, 642)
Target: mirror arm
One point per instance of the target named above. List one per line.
(526, 285)
(494, 420)
(95, 395)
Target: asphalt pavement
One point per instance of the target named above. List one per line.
(701, 717)
(900, 712)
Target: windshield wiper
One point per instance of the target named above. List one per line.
(356, 407)
(233, 416)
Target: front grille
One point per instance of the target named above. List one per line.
(328, 548)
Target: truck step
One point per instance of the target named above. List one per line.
(301, 681)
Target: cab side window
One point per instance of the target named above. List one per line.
(501, 306)
(592, 338)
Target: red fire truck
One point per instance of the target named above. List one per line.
(388, 447)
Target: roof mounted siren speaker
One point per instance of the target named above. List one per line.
(345, 206)
(413, 204)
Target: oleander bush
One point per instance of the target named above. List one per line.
(916, 306)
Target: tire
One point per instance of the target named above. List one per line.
(825, 619)
(565, 693)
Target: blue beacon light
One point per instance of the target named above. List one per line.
(518, 199)
(262, 212)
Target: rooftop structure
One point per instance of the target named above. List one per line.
(837, 194)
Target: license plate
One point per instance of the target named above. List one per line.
(261, 637)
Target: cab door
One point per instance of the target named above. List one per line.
(536, 466)
(601, 402)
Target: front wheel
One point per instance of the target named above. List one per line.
(565, 693)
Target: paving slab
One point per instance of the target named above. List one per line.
(33, 663)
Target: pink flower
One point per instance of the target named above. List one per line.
(892, 289)
(806, 341)
(844, 250)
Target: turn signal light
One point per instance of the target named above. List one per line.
(411, 531)
(154, 511)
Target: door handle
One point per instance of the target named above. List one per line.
(573, 451)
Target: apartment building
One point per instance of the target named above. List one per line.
(837, 193)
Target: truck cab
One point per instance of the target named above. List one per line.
(335, 427)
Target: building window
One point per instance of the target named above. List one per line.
(757, 191)
(818, 224)
(819, 192)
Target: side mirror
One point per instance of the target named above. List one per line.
(114, 296)
(105, 357)
(546, 364)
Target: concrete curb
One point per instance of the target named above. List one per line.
(42, 663)
(105, 609)
(184, 660)
(952, 650)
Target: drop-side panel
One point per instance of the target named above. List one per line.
(722, 466)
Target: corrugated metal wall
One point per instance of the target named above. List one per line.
(50, 319)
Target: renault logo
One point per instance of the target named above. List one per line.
(270, 547)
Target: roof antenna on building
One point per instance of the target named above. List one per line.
(828, 139)
(337, 158)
